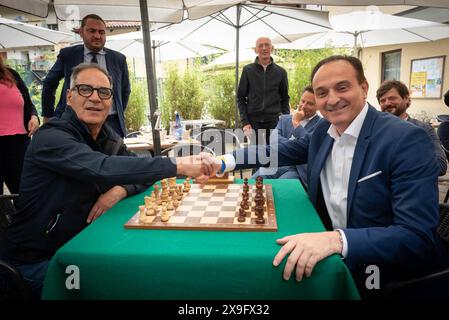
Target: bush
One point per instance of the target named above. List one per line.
(182, 93)
(222, 97)
(135, 113)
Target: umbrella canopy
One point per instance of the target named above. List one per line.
(366, 29)
(227, 60)
(15, 34)
(242, 24)
(131, 45)
(424, 3)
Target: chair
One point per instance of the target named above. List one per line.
(430, 286)
(133, 134)
(446, 152)
(12, 285)
(220, 140)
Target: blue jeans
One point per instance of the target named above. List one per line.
(33, 275)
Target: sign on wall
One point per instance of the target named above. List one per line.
(426, 77)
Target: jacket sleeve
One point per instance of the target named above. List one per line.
(412, 183)
(63, 154)
(242, 97)
(126, 87)
(441, 156)
(283, 92)
(50, 84)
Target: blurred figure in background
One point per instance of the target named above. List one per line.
(18, 122)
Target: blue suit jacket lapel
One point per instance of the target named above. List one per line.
(359, 155)
(78, 55)
(317, 166)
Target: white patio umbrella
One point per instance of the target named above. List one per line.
(164, 49)
(143, 10)
(424, 3)
(227, 60)
(366, 29)
(15, 34)
(242, 24)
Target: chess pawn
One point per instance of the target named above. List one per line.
(259, 186)
(159, 201)
(175, 203)
(245, 181)
(170, 207)
(151, 212)
(242, 215)
(164, 215)
(186, 187)
(142, 211)
(148, 202)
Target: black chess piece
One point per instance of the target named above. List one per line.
(242, 215)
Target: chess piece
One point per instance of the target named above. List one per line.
(244, 205)
(148, 202)
(245, 181)
(142, 212)
(164, 215)
(170, 205)
(151, 212)
(156, 191)
(175, 203)
(186, 186)
(242, 215)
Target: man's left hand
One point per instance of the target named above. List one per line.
(306, 250)
(106, 201)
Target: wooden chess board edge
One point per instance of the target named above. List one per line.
(270, 226)
(227, 180)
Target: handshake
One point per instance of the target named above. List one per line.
(204, 166)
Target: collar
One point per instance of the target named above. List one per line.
(256, 61)
(353, 129)
(88, 51)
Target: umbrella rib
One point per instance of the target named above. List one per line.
(33, 35)
(418, 35)
(220, 16)
(297, 19)
(182, 45)
(253, 15)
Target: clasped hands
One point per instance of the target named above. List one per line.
(201, 166)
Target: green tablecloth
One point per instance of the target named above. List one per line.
(119, 263)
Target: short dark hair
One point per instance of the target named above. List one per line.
(353, 61)
(387, 85)
(308, 89)
(91, 16)
(84, 66)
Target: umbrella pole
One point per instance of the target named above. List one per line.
(237, 47)
(151, 79)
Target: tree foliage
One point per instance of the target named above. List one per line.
(222, 97)
(135, 113)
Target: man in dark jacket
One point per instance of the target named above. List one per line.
(93, 33)
(75, 169)
(393, 97)
(263, 92)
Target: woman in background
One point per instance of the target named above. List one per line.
(18, 122)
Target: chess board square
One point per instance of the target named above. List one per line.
(216, 203)
(200, 208)
(211, 213)
(209, 220)
(208, 190)
(225, 220)
(176, 219)
(149, 219)
(193, 220)
(221, 186)
(230, 214)
(188, 202)
(184, 208)
(195, 214)
(221, 190)
(181, 213)
(203, 198)
(247, 221)
(235, 187)
(201, 203)
(228, 208)
(229, 203)
(213, 208)
(209, 187)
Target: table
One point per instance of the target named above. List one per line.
(119, 263)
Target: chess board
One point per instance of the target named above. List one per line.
(213, 207)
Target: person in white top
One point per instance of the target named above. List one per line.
(372, 180)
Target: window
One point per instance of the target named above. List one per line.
(391, 65)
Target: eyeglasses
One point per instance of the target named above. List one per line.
(86, 91)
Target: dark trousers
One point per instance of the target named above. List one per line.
(11, 160)
(262, 131)
(113, 121)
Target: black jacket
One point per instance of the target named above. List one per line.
(28, 108)
(262, 95)
(64, 173)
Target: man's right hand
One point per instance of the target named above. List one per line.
(46, 119)
(247, 130)
(297, 117)
(201, 165)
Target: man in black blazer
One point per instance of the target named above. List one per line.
(93, 33)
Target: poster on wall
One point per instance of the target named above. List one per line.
(426, 77)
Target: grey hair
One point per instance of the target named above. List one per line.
(84, 66)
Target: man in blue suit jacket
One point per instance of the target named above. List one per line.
(288, 128)
(93, 33)
(372, 179)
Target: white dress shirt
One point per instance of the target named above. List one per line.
(334, 176)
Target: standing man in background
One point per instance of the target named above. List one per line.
(93, 33)
(263, 92)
